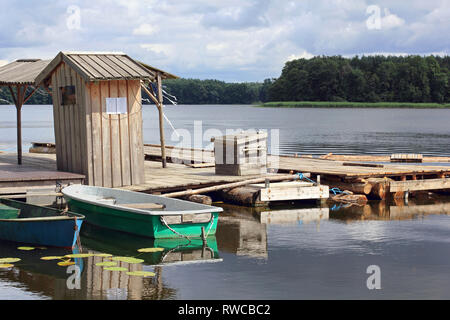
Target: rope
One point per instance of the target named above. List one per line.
(177, 233)
(210, 226)
(302, 176)
(182, 235)
(338, 191)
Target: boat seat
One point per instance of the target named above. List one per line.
(110, 201)
(143, 206)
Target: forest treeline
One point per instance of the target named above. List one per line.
(364, 79)
(359, 79)
(326, 78)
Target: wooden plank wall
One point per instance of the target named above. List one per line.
(108, 149)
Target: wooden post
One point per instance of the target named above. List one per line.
(161, 121)
(18, 101)
(19, 133)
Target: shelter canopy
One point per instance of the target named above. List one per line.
(22, 71)
(98, 66)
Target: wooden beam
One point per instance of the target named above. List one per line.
(231, 185)
(18, 101)
(30, 94)
(417, 185)
(151, 95)
(159, 104)
(161, 121)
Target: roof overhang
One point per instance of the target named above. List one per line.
(103, 66)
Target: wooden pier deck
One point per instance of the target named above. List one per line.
(349, 170)
(337, 173)
(34, 173)
(173, 178)
(192, 169)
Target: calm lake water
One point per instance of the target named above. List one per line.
(297, 251)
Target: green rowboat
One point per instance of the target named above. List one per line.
(140, 213)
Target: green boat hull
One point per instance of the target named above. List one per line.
(139, 224)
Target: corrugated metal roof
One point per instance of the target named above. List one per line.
(96, 66)
(22, 71)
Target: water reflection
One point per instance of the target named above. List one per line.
(381, 210)
(258, 246)
(48, 280)
(239, 232)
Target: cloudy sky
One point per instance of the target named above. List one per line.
(233, 40)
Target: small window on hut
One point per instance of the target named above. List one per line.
(116, 105)
(68, 95)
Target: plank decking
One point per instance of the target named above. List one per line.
(35, 172)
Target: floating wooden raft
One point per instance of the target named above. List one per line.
(406, 157)
(293, 190)
(42, 147)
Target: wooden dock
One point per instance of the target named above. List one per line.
(194, 169)
(36, 172)
(351, 172)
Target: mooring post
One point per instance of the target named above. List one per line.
(203, 235)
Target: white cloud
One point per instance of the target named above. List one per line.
(234, 40)
(216, 46)
(304, 55)
(145, 29)
(158, 48)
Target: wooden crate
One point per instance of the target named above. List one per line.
(241, 154)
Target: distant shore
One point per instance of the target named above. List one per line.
(333, 104)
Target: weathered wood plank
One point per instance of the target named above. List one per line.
(106, 132)
(56, 121)
(136, 136)
(116, 152)
(82, 125)
(294, 193)
(417, 185)
(125, 136)
(96, 134)
(73, 122)
(63, 146)
(89, 157)
(77, 123)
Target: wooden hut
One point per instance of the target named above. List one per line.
(97, 111)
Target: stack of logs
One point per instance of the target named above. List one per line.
(372, 188)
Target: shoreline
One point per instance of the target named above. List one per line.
(336, 105)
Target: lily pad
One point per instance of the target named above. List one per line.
(128, 259)
(52, 258)
(79, 255)
(6, 265)
(150, 250)
(26, 248)
(66, 263)
(115, 269)
(9, 260)
(106, 264)
(141, 273)
(103, 255)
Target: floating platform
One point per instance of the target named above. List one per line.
(36, 172)
(194, 168)
(293, 190)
